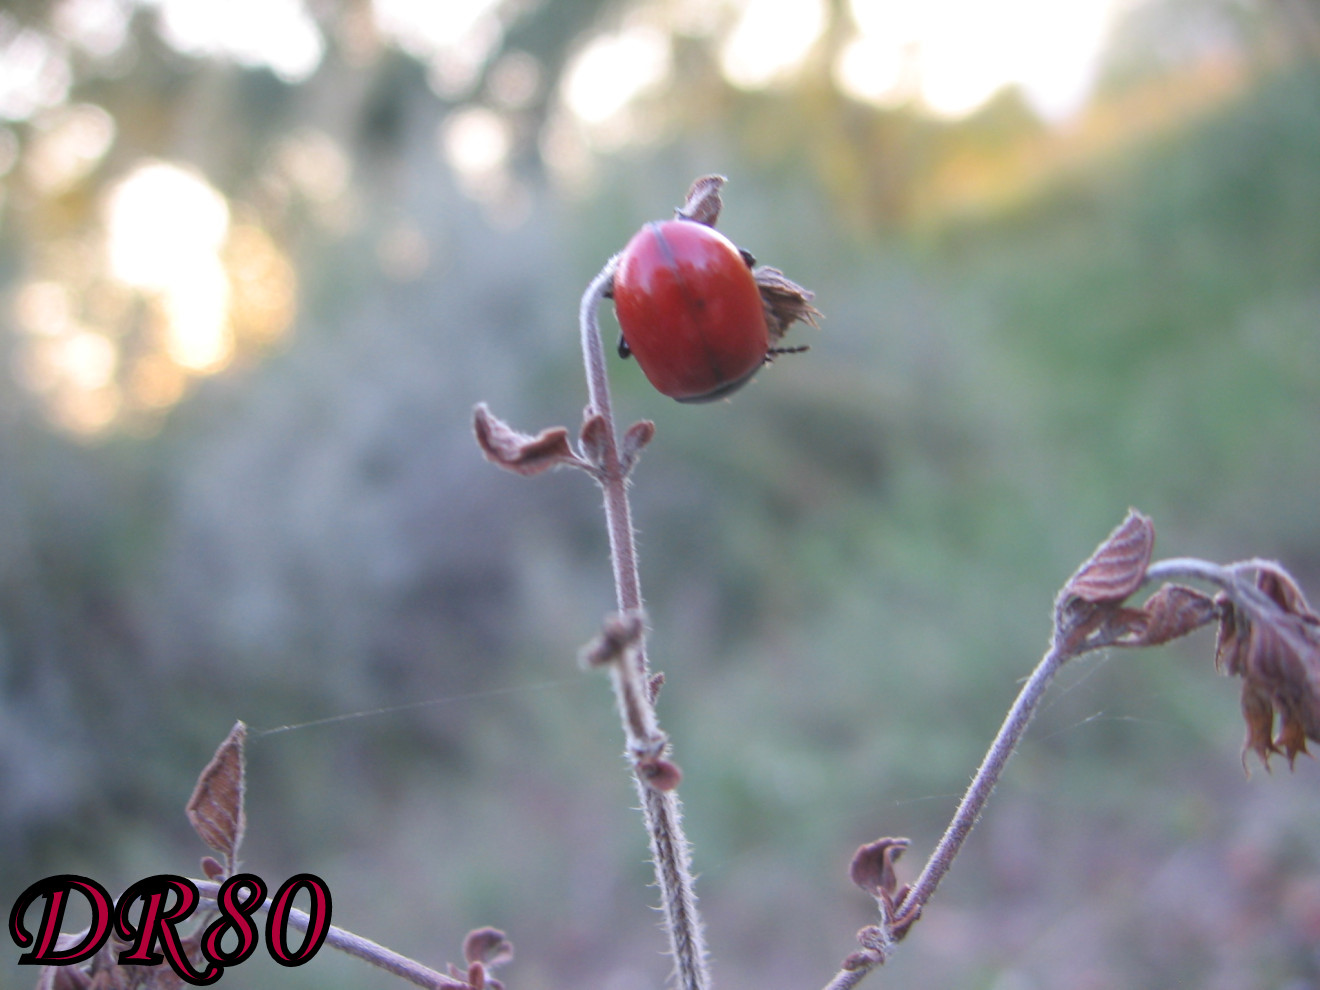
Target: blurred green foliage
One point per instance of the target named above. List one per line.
(848, 567)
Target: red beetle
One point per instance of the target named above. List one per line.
(690, 311)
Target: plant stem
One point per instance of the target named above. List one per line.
(355, 945)
(1015, 725)
(978, 792)
(1230, 579)
(846, 979)
(1233, 579)
(661, 810)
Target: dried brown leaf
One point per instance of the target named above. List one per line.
(872, 866)
(1118, 566)
(487, 945)
(213, 868)
(872, 869)
(1258, 713)
(703, 200)
(1173, 612)
(785, 302)
(659, 774)
(637, 437)
(1231, 643)
(1277, 654)
(1280, 586)
(619, 633)
(593, 437)
(215, 809)
(519, 452)
(1114, 625)
(1284, 664)
(858, 960)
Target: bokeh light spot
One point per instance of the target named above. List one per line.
(770, 41)
(954, 55)
(165, 228)
(34, 73)
(277, 34)
(262, 298)
(67, 145)
(98, 27)
(454, 38)
(161, 221)
(615, 69)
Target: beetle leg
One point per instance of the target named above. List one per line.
(774, 352)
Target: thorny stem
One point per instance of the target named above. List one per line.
(661, 810)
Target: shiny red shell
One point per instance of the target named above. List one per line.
(690, 311)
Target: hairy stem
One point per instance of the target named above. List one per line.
(355, 945)
(846, 979)
(978, 792)
(661, 810)
(1234, 579)
(1231, 578)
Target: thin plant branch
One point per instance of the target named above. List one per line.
(1090, 614)
(355, 945)
(1231, 579)
(983, 783)
(630, 673)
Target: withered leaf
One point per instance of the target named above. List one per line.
(594, 436)
(659, 774)
(487, 945)
(1118, 566)
(620, 632)
(857, 960)
(785, 302)
(703, 200)
(872, 866)
(1100, 624)
(1173, 612)
(215, 809)
(1284, 665)
(1258, 713)
(518, 452)
(1280, 586)
(637, 436)
(1231, 643)
(213, 868)
(1277, 654)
